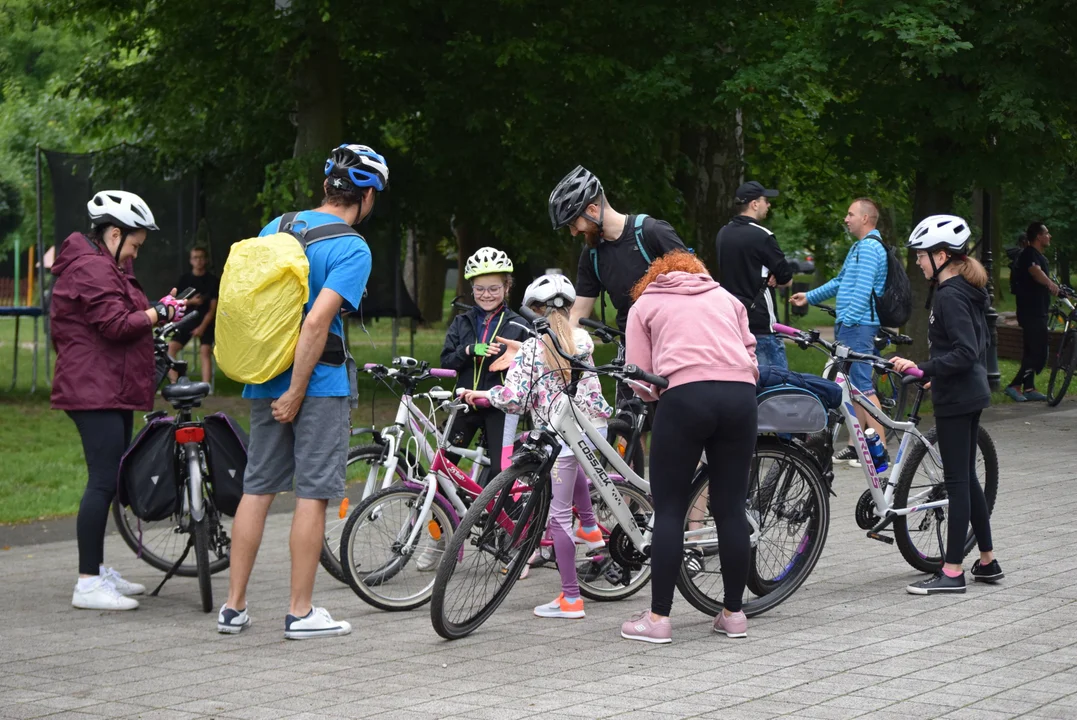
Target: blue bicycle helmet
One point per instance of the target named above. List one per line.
(357, 166)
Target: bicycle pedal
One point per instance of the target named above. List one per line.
(881, 538)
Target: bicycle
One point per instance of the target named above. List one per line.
(1065, 360)
(198, 519)
(889, 388)
(386, 530)
(392, 456)
(505, 523)
(916, 504)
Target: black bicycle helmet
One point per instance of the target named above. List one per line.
(572, 195)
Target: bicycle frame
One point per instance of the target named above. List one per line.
(882, 490)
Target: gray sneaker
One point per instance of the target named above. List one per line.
(938, 584)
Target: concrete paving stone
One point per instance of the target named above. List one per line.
(971, 713)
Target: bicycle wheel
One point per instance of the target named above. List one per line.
(200, 529)
(600, 575)
(372, 547)
(484, 558)
(921, 536)
(788, 502)
(1062, 372)
(366, 463)
(619, 436)
(163, 542)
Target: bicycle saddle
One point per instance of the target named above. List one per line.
(184, 389)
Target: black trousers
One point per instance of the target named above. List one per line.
(105, 436)
(467, 424)
(957, 446)
(721, 418)
(1033, 350)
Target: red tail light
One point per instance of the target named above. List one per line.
(190, 434)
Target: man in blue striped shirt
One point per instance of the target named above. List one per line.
(862, 273)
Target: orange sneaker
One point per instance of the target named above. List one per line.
(593, 540)
(561, 608)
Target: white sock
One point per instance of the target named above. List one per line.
(86, 583)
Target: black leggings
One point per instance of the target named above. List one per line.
(1033, 351)
(957, 446)
(105, 436)
(721, 418)
(467, 424)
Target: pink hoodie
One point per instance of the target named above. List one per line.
(688, 328)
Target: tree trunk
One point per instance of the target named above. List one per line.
(716, 164)
(931, 198)
(424, 266)
(319, 114)
(468, 240)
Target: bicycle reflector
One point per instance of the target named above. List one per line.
(190, 434)
(344, 508)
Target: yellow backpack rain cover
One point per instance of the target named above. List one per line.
(260, 306)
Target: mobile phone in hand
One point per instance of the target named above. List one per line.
(186, 294)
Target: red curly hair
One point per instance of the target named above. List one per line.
(676, 261)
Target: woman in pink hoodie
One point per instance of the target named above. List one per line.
(685, 327)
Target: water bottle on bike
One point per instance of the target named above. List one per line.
(879, 457)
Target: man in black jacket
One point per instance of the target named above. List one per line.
(751, 265)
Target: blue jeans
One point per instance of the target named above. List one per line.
(769, 350)
(861, 339)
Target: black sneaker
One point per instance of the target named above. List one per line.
(990, 573)
(848, 455)
(937, 584)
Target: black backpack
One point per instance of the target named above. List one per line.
(894, 307)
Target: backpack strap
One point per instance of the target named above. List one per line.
(639, 237)
(313, 235)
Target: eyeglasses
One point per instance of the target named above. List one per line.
(491, 290)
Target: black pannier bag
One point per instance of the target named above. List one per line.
(226, 458)
(148, 474)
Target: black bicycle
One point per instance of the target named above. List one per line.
(893, 394)
(1065, 360)
(198, 525)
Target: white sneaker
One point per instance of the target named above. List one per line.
(232, 622)
(317, 623)
(428, 558)
(125, 587)
(101, 595)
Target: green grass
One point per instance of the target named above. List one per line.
(44, 472)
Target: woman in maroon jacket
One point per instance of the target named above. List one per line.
(101, 322)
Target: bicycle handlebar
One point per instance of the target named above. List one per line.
(186, 323)
(604, 332)
(804, 339)
(442, 373)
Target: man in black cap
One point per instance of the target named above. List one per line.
(751, 265)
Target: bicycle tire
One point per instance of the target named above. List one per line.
(811, 512)
(157, 538)
(371, 585)
(619, 436)
(480, 529)
(329, 558)
(602, 578)
(200, 529)
(1062, 372)
(913, 554)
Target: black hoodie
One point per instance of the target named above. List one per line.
(957, 335)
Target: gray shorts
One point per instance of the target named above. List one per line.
(312, 449)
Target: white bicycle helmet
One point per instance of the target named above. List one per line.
(485, 261)
(122, 209)
(941, 232)
(550, 290)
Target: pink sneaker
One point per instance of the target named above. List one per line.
(641, 627)
(734, 625)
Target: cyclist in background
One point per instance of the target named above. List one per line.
(958, 337)
(471, 347)
(101, 322)
(687, 328)
(535, 380)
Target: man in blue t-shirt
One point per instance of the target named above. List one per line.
(300, 419)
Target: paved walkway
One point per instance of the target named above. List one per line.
(851, 643)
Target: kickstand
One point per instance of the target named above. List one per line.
(174, 568)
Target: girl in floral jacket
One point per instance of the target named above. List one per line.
(534, 381)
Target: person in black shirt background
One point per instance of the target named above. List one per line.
(204, 300)
(751, 265)
(618, 249)
(1032, 286)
